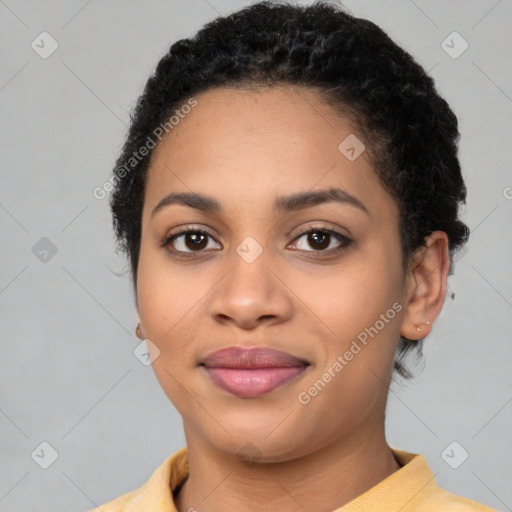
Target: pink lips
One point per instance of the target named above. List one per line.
(251, 372)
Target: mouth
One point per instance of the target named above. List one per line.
(252, 372)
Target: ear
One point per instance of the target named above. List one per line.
(138, 331)
(426, 286)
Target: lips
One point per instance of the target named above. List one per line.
(252, 372)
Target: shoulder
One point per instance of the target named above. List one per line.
(413, 488)
(156, 493)
(440, 498)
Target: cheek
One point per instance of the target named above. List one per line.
(166, 300)
(166, 309)
(360, 305)
(351, 298)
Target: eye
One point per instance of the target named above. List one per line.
(188, 241)
(322, 240)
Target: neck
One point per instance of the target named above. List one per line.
(323, 481)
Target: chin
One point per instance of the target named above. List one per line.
(252, 445)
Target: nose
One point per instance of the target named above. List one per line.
(251, 294)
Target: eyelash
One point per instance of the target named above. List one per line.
(344, 241)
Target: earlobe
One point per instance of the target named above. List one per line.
(426, 286)
(138, 332)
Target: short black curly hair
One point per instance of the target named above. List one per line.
(410, 132)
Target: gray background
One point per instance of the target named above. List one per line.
(68, 374)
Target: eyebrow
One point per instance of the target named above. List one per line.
(315, 197)
(283, 204)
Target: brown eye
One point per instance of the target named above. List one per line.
(319, 239)
(188, 241)
(322, 240)
(195, 241)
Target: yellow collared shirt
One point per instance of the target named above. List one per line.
(412, 488)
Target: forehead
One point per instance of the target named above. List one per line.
(281, 119)
(252, 144)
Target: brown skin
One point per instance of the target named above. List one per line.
(244, 148)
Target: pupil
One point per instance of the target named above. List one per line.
(323, 243)
(197, 238)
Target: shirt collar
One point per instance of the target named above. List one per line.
(401, 488)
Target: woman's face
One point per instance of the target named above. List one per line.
(333, 304)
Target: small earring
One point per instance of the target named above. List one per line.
(138, 332)
(419, 328)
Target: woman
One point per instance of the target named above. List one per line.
(288, 199)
